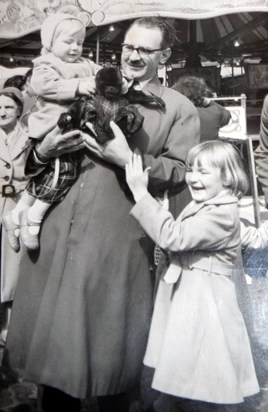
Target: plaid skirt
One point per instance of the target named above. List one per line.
(41, 185)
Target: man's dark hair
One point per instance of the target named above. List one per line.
(28, 74)
(167, 29)
(17, 81)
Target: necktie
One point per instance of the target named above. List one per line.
(132, 84)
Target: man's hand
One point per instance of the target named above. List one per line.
(55, 144)
(116, 151)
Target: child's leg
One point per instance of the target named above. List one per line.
(25, 202)
(5, 322)
(30, 221)
(36, 214)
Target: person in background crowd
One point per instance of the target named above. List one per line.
(18, 81)
(261, 153)
(29, 97)
(212, 115)
(22, 82)
(13, 154)
(60, 74)
(197, 328)
(89, 296)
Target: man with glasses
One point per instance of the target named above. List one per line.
(90, 287)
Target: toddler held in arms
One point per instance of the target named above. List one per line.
(60, 75)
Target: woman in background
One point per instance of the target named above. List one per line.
(212, 116)
(13, 139)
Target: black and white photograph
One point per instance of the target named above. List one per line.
(134, 206)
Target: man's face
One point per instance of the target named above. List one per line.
(142, 67)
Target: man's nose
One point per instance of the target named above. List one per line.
(135, 55)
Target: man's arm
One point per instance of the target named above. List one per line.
(167, 170)
(53, 145)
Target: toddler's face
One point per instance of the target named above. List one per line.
(204, 181)
(68, 41)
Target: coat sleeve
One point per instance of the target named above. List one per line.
(252, 237)
(168, 169)
(209, 229)
(225, 116)
(261, 153)
(47, 82)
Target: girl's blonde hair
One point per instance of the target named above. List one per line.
(226, 157)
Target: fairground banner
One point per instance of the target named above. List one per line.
(21, 17)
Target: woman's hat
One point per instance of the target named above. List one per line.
(50, 24)
(13, 90)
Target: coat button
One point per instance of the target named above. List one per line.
(6, 178)
(7, 165)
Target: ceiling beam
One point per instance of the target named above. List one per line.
(244, 29)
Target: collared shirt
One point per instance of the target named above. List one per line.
(138, 85)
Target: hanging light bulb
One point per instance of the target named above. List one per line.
(111, 28)
(236, 43)
(113, 56)
(11, 59)
(90, 54)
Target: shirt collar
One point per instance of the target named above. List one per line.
(142, 83)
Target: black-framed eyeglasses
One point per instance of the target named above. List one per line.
(142, 51)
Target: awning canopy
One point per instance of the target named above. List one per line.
(207, 27)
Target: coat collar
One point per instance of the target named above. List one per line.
(222, 199)
(154, 86)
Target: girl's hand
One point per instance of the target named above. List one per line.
(137, 178)
(87, 86)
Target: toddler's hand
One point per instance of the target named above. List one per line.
(137, 178)
(87, 86)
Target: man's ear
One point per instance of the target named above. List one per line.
(165, 55)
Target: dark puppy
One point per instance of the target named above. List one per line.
(108, 104)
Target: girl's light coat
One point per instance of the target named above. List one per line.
(198, 343)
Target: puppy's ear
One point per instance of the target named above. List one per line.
(65, 122)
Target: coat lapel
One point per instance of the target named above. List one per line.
(191, 209)
(154, 86)
(4, 152)
(21, 142)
